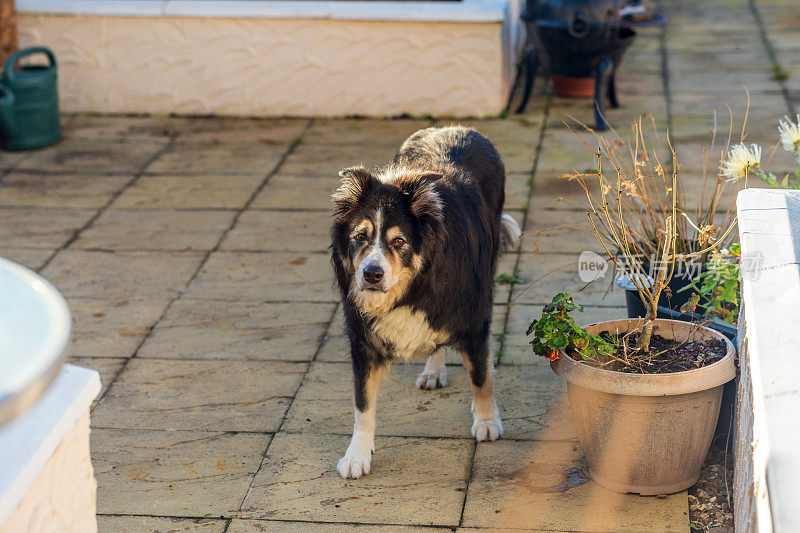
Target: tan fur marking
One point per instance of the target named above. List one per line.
(485, 415)
(365, 225)
(392, 233)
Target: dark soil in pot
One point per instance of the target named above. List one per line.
(665, 355)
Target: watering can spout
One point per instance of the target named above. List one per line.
(8, 122)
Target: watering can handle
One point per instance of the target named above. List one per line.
(16, 56)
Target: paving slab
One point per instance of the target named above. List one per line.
(546, 275)
(94, 156)
(166, 230)
(200, 329)
(564, 157)
(107, 367)
(254, 276)
(123, 128)
(297, 192)
(156, 276)
(174, 473)
(561, 231)
(111, 327)
(201, 395)
(150, 524)
(517, 157)
(9, 160)
(300, 231)
(228, 158)
(39, 227)
(325, 159)
(32, 258)
(195, 191)
(545, 485)
(523, 129)
(245, 130)
(517, 189)
(412, 482)
(551, 191)
(84, 191)
(360, 132)
(525, 396)
(266, 526)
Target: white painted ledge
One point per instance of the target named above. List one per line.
(28, 442)
(767, 484)
(414, 11)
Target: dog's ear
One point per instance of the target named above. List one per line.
(426, 203)
(355, 183)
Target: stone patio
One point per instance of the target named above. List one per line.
(192, 252)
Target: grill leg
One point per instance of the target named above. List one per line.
(612, 90)
(531, 62)
(603, 73)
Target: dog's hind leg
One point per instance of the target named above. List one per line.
(435, 374)
(357, 458)
(485, 415)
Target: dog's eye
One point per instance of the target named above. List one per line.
(398, 242)
(361, 237)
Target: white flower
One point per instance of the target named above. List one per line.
(790, 134)
(741, 159)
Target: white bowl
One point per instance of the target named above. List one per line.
(34, 331)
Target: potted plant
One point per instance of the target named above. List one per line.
(645, 191)
(644, 393)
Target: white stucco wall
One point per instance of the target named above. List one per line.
(278, 66)
(63, 497)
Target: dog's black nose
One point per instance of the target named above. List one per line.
(373, 273)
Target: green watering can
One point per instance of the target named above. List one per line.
(29, 103)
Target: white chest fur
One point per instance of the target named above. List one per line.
(409, 332)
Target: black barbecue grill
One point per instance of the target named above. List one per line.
(580, 39)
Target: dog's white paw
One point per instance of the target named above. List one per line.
(487, 429)
(353, 466)
(432, 379)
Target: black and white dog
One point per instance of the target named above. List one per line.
(414, 250)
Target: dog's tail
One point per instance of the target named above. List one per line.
(509, 233)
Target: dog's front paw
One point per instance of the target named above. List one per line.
(432, 379)
(353, 465)
(487, 429)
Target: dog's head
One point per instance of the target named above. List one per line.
(382, 232)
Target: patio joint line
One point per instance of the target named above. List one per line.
(206, 255)
(320, 344)
(13, 167)
(773, 56)
(77, 233)
(525, 214)
(665, 79)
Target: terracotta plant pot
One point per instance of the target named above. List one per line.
(646, 433)
(572, 87)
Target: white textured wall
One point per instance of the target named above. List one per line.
(63, 498)
(274, 67)
(767, 481)
(750, 495)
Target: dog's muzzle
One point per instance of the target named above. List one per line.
(373, 278)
